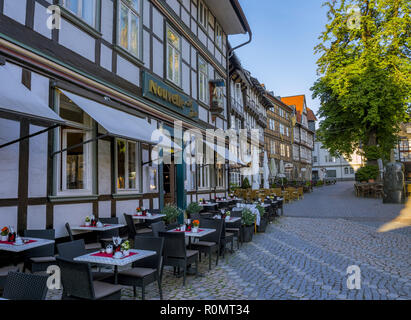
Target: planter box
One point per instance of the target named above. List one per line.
(247, 233)
(263, 225)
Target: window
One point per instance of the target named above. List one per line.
(74, 165)
(203, 80)
(235, 178)
(352, 170)
(220, 173)
(204, 177)
(282, 150)
(315, 159)
(84, 9)
(218, 36)
(129, 26)
(127, 165)
(288, 151)
(202, 14)
(173, 56)
(345, 170)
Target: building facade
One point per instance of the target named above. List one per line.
(105, 81)
(327, 166)
(303, 137)
(278, 135)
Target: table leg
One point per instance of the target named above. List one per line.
(115, 274)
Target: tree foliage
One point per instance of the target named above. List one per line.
(364, 76)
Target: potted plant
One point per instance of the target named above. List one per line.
(263, 219)
(87, 221)
(245, 184)
(227, 215)
(171, 212)
(248, 220)
(368, 173)
(125, 247)
(193, 208)
(4, 234)
(139, 211)
(196, 224)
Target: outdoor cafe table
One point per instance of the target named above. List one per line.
(33, 243)
(231, 220)
(105, 227)
(208, 205)
(150, 217)
(107, 259)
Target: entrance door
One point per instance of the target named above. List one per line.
(169, 181)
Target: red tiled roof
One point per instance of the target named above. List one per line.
(310, 115)
(298, 102)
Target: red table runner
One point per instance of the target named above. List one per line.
(110, 255)
(13, 243)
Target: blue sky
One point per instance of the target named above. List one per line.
(281, 54)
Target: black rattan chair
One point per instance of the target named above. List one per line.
(176, 254)
(210, 243)
(38, 259)
(4, 271)
(133, 231)
(147, 270)
(23, 286)
(89, 246)
(107, 236)
(78, 283)
(156, 227)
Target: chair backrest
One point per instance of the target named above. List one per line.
(174, 244)
(156, 227)
(76, 278)
(216, 224)
(112, 232)
(44, 251)
(25, 286)
(195, 216)
(131, 227)
(72, 249)
(172, 226)
(151, 244)
(67, 225)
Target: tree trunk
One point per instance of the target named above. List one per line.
(372, 142)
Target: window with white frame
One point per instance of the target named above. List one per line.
(128, 167)
(218, 36)
(203, 80)
(129, 26)
(282, 150)
(173, 56)
(204, 176)
(74, 165)
(84, 9)
(202, 14)
(235, 178)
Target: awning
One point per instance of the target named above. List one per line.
(225, 153)
(15, 98)
(121, 124)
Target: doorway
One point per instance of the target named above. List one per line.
(169, 183)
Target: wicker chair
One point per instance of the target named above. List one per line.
(157, 227)
(132, 229)
(23, 286)
(301, 192)
(176, 254)
(107, 236)
(78, 283)
(235, 228)
(211, 242)
(146, 271)
(4, 271)
(89, 246)
(39, 259)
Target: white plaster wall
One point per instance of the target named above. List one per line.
(203, 114)
(185, 50)
(36, 217)
(107, 20)
(74, 214)
(9, 159)
(15, 10)
(188, 199)
(106, 57)
(174, 5)
(127, 206)
(194, 84)
(104, 167)
(128, 71)
(40, 20)
(193, 58)
(146, 49)
(158, 24)
(202, 36)
(186, 78)
(158, 62)
(186, 4)
(156, 203)
(146, 203)
(194, 26)
(38, 163)
(104, 209)
(185, 17)
(40, 87)
(76, 40)
(146, 13)
(8, 217)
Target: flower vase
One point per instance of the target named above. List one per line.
(4, 238)
(194, 229)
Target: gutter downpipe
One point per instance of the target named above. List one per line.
(229, 55)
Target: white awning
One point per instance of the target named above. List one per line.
(224, 152)
(121, 124)
(15, 98)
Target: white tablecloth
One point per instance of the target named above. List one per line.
(254, 210)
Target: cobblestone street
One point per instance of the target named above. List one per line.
(305, 255)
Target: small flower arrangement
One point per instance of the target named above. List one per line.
(227, 213)
(196, 223)
(5, 231)
(138, 209)
(125, 246)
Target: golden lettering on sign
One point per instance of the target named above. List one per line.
(167, 96)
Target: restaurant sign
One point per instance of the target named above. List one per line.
(157, 91)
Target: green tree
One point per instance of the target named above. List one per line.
(364, 76)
